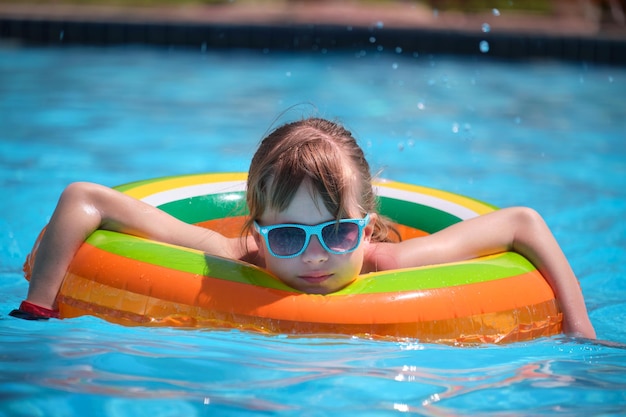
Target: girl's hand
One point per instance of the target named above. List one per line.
(85, 207)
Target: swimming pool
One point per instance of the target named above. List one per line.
(542, 134)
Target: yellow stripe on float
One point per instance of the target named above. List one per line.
(144, 190)
(476, 206)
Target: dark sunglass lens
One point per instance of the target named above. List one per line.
(285, 241)
(341, 237)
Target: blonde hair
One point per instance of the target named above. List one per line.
(323, 154)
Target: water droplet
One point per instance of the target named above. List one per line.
(455, 127)
(484, 47)
(398, 50)
(288, 73)
(421, 106)
(610, 79)
(415, 54)
(486, 28)
(380, 25)
(61, 35)
(495, 12)
(372, 39)
(400, 146)
(403, 408)
(394, 65)
(380, 48)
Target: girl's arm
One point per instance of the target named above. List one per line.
(516, 229)
(85, 207)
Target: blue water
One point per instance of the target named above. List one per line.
(542, 134)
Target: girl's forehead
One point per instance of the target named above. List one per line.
(306, 207)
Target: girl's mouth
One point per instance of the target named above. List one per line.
(315, 278)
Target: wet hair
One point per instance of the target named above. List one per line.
(325, 156)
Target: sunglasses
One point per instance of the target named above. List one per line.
(290, 240)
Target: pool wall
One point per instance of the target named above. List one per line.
(56, 31)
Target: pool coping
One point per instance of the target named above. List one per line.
(317, 28)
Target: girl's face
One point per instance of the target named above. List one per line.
(315, 271)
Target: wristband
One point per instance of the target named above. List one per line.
(34, 312)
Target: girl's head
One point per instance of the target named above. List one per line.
(311, 171)
(318, 152)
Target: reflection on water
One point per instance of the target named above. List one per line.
(109, 367)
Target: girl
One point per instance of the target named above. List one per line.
(307, 173)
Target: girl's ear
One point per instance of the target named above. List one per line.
(260, 244)
(369, 229)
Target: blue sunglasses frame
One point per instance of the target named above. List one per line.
(313, 230)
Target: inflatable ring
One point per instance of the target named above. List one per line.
(134, 281)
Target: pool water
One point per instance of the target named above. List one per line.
(543, 134)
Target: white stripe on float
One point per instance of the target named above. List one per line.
(447, 206)
(181, 193)
(190, 191)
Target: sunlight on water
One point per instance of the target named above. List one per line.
(545, 135)
(231, 372)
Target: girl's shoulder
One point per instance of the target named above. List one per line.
(380, 256)
(245, 249)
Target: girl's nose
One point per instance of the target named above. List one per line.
(315, 252)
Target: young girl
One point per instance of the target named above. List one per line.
(305, 173)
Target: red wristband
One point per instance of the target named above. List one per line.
(31, 308)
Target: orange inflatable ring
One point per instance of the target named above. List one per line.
(133, 281)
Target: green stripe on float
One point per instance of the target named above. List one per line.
(416, 215)
(207, 207)
(195, 262)
(217, 206)
(474, 271)
(181, 259)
